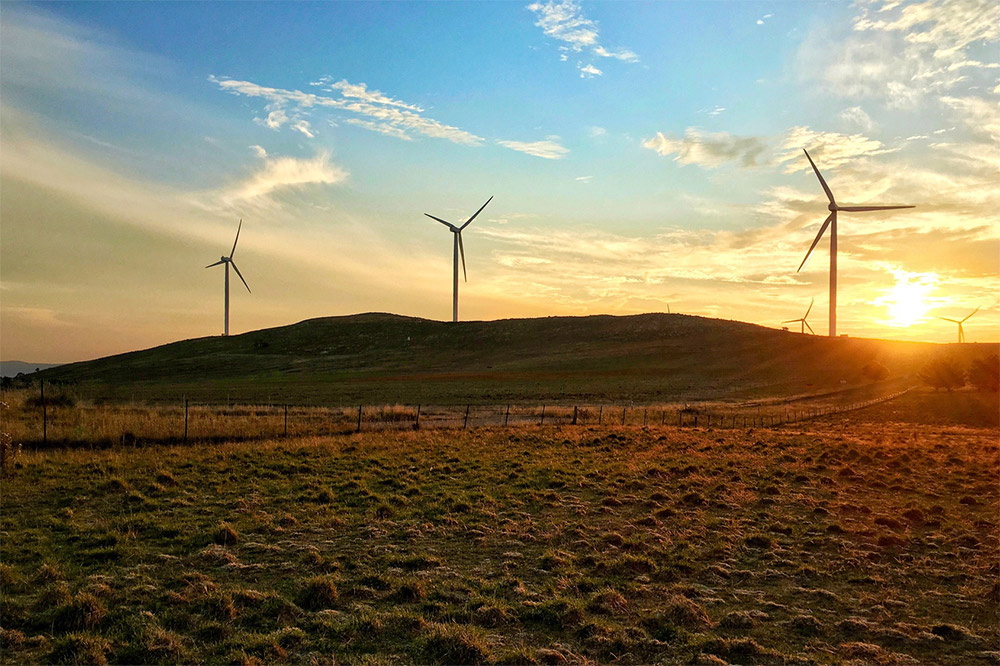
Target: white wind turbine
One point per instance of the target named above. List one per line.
(803, 321)
(459, 249)
(961, 331)
(227, 261)
(831, 221)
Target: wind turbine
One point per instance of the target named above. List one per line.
(803, 322)
(227, 261)
(459, 249)
(831, 221)
(961, 331)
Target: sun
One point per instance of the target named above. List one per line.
(910, 298)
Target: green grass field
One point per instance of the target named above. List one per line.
(869, 538)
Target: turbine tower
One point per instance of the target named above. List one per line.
(802, 321)
(961, 331)
(227, 261)
(459, 249)
(831, 221)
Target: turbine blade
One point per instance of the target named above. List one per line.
(215, 264)
(790, 321)
(809, 327)
(461, 250)
(810, 308)
(973, 312)
(477, 213)
(241, 276)
(447, 224)
(861, 209)
(816, 240)
(237, 239)
(822, 182)
(954, 321)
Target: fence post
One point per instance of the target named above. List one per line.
(542, 421)
(506, 415)
(680, 418)
(695, 420)
(418, 418)
(359, 418)
(285, 434)
(600, 415)
(663, 416)
(623, 415)
(644, 418)
(574, 414)
(185, 420)
(45, 416)
(466, 424)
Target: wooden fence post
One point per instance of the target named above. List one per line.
(644, 418)
(285, 434)
(359, 418)
(574, 414)
(623, 415)
(663, 417)
(185, 420)
(506, 415)
(680, 418)
(466, 424)
(542, 421)
(417, 425)
(45, 415)
(600, 415)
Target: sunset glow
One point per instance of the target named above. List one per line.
(135, 137)
(909, 301)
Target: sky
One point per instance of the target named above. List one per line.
(641, 155)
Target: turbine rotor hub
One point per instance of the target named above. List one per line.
(832, 207)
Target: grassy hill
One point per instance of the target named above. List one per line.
(384, 358)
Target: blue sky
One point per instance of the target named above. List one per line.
(640, 154)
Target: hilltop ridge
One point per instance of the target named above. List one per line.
(383, 357)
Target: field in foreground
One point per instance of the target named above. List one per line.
(851, 539)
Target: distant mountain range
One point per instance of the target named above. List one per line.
(12, 368)
(384, 359)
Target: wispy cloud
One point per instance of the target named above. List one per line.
(282, 173)
(857, 117)
(549, 149)
(565, 22)
(901, 53)
(379, 112)
(708, 149)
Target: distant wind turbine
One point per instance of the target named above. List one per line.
(229, 261)
(459, 249)
(802, 321)
(961, 331)
(831, 221)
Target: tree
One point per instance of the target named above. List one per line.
(984, 373)
(942, 373)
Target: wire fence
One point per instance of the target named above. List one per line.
(36, 422)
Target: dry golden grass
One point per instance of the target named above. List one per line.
(841, 540)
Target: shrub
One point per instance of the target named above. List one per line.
(984, 374)
(874, 371)
(942, 373)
